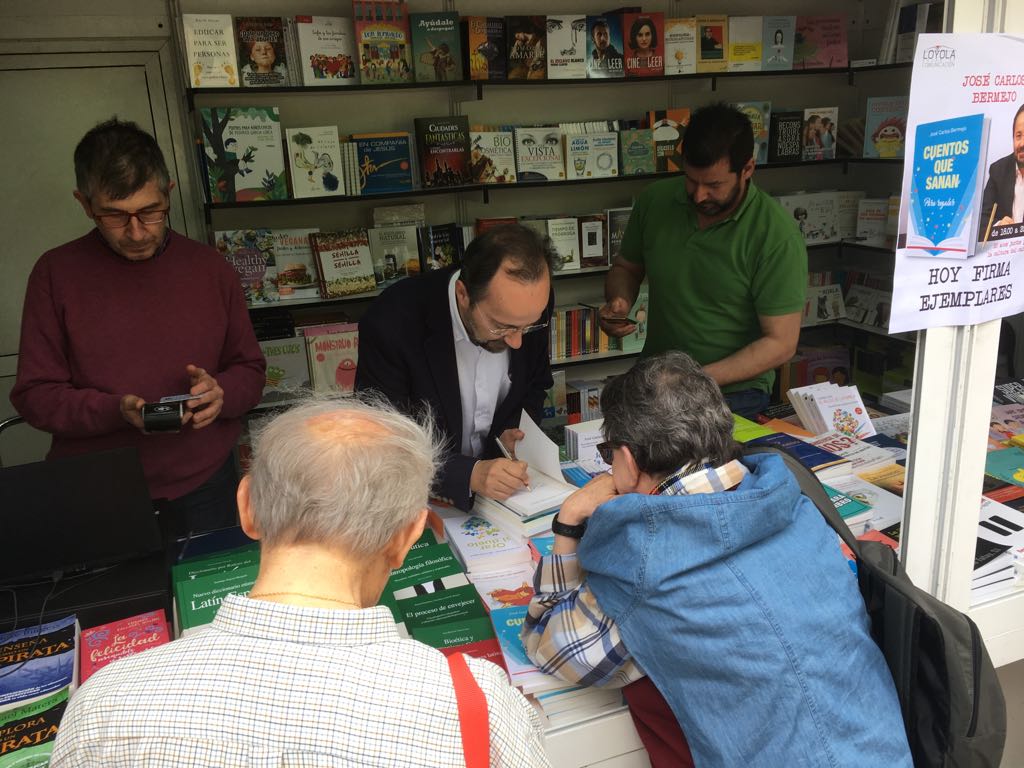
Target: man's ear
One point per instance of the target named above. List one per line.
(402, 541)
(83, 201)
(461, 294)
(245, 516)
(747, 170)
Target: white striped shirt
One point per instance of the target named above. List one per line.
(278, 685)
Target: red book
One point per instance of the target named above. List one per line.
(643, 35)
(118, 639)
(481, 649)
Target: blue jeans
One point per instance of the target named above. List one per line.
(747, 402)
(209, 507)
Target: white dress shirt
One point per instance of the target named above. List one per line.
(483, 381)
(1018, 195)
(289, 687)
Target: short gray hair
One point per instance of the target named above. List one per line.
(670, 413)
(350, 472)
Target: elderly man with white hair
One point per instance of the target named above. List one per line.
(305, 670)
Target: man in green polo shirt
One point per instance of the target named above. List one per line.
(726, 266)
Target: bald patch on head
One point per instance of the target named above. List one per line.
(346, 425)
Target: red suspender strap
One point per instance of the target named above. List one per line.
(476, 734)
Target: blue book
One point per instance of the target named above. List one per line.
(891, 444)
(384, 164)
(945, 188)
(825, 464)
(1006, 464)
(37, 661)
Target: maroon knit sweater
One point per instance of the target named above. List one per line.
(97, 326)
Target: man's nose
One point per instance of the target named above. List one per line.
(514, 339)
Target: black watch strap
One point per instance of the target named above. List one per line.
(572, 531)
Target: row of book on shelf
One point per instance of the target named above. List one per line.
(834, 216)
(866, 303)
(383, 44)
(243, 159)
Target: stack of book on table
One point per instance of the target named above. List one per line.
(200, 585)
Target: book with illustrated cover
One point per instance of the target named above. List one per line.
(442, 144)
(643, 38)
(327, 50)
(333, 354)
(440, 246)
(564, 235)
(636, 151)
(287, 369)
(885, 126)
(681, 46)
(119, 639)
(539, 153)
(868, 306)
(395, 253)
(668, 127)
(51, 666)
(484, 47)
(526, 47)
(251, 253)
(605, 46)
(262, 57)
(210, 57)
(385, 162)
(592, 155)
(712, 43)
(760, 114)
(30, 731)
(820, 43)
(314, 160)
(512, 585)
(383, 44)
(482, 547)
(819, 138)
(745, 38)
(244, 161)
(863, 456)
(296, 264)
(492, 157)
(593, 245)
(343, 262)
(893, 477)
(872, 213)
(814, 214)
(785, 136)
(824, 304)
(436, 46)
(778, 34)
(567, 46)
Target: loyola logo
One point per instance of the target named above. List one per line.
(938, 56)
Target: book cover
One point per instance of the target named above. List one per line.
(38, 660)
(945, 187)
(296, 263)
(892, 478)
(847, 203)
(644, 39)
(394, 250)
(593, 245)
(215, 563)
(442, 144)
(527, 50)
(592, 155)
(423, 565)
(617, 219)
(382, 41)
(862, 455)
(712, 43)
(668, 126)
(333, 354)
(785, 136)
(473, 637)
(198, 600)
(819, 138)
(28, 732)
(567, 46)
(681, 46)
(825, 464)
(760, 114)
(343, 262)
(506, 587)
(539, 153)
(244, 161)
(778, 34)
(482, 546)
(385, 162)
(564, 236)
(814, 214)
(484, 38)
(885, 126)
(868, 306)
(262, 58)
(1008, 392)
(847, 506)
(440, 246)
(605, 46)
(824, 303)
(896, 449)
(507, 625)
(119, 639)
(636, 151)
(492, 157)
(251, 253)
(820, 43)
(635, 341)
(443, 606)
(872, 213)
(314, 160)
(436, 46)
(287, 370)
(327, 50)
(745, 36)
(210, 58)
(886, 507)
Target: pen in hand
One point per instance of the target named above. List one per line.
(509, 456)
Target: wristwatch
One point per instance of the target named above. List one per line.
(572, 531)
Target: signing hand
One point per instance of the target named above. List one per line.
(581, 504)
(498, 478)
(131, 410)
(509, 438)
(206, 408)
(616, 308)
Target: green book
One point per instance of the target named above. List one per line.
(27, 733)
(636, 151)
(198, 600)
(219, 562)
(455, 634)
(846, 506)
(422, 565)
(745, 429)
(426, 540)
(444, 607)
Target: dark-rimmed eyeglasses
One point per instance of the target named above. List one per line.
(121, 219)
(606, 451)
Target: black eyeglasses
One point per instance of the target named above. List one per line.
(606, 451)
(120, 220)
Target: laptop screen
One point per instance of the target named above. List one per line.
(74, 513)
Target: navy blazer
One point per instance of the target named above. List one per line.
(407, 352)
(1002, 176)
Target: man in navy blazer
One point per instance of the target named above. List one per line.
(1005, 186)
(470, 344)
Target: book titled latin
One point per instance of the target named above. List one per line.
(119, 639)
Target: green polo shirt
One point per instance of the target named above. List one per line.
(707, 287)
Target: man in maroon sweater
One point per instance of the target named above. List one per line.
(131, 312)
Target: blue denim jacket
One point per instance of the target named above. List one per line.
(744, 613)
